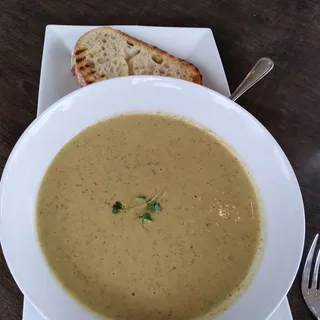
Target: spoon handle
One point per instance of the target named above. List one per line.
(259, 70)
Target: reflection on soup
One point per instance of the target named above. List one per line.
(98, 239)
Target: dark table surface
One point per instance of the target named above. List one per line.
(287, 101)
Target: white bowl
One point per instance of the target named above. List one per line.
(282, 201)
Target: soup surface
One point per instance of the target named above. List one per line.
(187, 261)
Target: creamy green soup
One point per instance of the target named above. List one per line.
(194, 254)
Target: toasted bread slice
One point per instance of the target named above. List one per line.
(105, 53)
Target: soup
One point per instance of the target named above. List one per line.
(148, 217)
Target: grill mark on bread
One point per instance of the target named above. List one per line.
(80, 51)
(80, 59)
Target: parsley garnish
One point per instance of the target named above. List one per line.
(117, 207)
(145, 216)
(152, 206)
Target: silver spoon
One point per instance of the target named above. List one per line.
(259, 70)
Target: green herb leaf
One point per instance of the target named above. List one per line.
(157, 207)
(117, 207)
(145, 216)
(153, 206)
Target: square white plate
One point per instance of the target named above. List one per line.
(196, 45)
